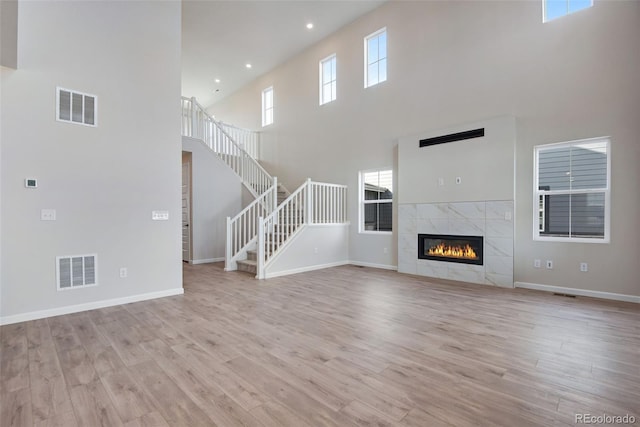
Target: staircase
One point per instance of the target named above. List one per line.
(261, 232)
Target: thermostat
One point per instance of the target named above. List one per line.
(31, 183)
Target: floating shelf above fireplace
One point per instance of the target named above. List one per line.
(451, 248)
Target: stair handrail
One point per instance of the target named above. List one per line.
(253, 175)
(242, 229)
(312, 203)
(246, 138)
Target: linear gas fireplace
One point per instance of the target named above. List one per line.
(450, 248)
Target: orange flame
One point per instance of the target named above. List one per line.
(453, 251)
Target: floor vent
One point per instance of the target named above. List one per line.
(563, 295)
(76, 271)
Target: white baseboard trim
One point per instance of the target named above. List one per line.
(373, 265)
(41, 314)
(580, 292)
(304, 269)
(206, 260)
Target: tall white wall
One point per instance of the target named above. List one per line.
(455, 62)
(216, 194)
(103, 181)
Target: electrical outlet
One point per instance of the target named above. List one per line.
(123, 272)
(315, 250)
(507, 216)
(549, 264)
(584, 267)
(386, 250)
(48, 215)
(440, 181)
(536, 263)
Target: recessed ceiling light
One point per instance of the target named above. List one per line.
(309, 25)
(217, 80)
(248, 65)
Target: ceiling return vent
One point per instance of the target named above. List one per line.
(76, 107)
(76, 271)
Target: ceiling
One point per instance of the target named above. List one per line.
(220, 37)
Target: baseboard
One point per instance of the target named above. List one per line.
(579, 292)
(372, 265)
(206, 260)
(305, 269)
(41, 314)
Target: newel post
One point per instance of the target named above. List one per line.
(308, 209)
(260, 263)
(275, 194)
(194, 120)
(227, 248)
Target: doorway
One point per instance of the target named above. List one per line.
(186, 207)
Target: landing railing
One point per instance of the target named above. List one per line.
(311, 203)
(196, 123)
(245, 138)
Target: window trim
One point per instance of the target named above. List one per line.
(362, 202)
(543, 193)
(321, 79)
(544, 11)
(366, 57)
(264, 106)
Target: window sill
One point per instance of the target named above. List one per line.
(570, 239)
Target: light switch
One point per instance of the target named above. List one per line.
(48, 215)
(160, 215)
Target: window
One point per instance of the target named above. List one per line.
(267, 106)
(375, 58)
(553, 9)
(76, 107)
(376, 197)
(572, 191)
(328, 79)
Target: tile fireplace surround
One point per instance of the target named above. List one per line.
(491, 219)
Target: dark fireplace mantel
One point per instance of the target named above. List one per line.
(451, 248)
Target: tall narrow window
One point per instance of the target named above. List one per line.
(553, 9)
(267, 106)
(572, 189)
(376, 199)
(375, 58)
(328, 79)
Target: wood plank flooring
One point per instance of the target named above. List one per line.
(344, 347)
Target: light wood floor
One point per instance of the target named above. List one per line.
(341, 347)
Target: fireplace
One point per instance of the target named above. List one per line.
(450, 248)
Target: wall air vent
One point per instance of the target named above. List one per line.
(460, 136)
(76, 107)
(76, 271)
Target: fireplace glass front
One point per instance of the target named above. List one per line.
(451, 248)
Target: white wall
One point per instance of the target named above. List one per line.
(485, 165)
(103, 181)
(315, 246)
(217, 193)
(454, 62)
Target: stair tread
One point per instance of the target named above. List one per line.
(247, 262)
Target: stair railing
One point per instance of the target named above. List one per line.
(247, 139)
(197, 123)
(242, 229)
(311, 203)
